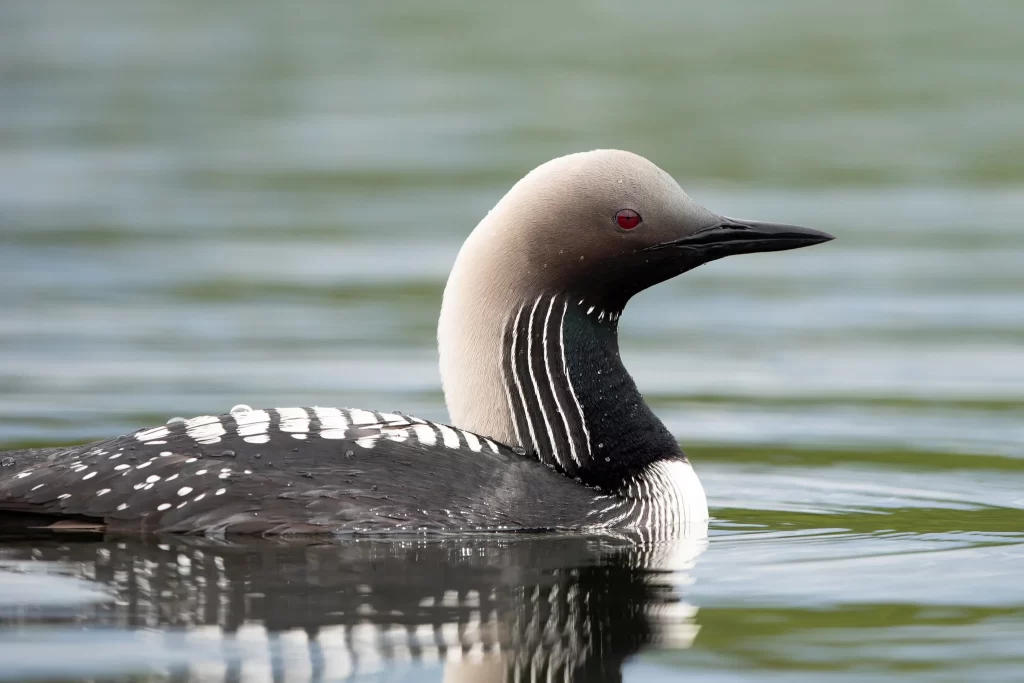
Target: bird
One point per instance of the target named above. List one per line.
(548, 431)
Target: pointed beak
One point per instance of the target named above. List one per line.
(731, 236)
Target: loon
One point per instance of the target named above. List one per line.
(548, 430)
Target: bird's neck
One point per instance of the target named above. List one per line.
(557, 388)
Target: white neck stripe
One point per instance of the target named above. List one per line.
(536, 386)
(554, 392)
(515, 378)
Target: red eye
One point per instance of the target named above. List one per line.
(627, 219)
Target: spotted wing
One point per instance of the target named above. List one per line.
(296, 470)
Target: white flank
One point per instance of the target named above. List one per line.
(425, 435)
(671, 488)
(333, 424)
(568, 379)
(536, 386)
(205, 429)
(494, 446)
(259, 438)
(451, 439)
(294, 420)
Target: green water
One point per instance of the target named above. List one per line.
(203, 205)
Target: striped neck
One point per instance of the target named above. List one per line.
(571, 402)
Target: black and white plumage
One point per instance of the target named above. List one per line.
(313, 470)
(550, 430)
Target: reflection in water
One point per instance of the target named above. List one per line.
(507, 608)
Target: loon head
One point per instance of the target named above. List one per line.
(579, 234)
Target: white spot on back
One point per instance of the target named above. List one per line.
(89, 476)
(150, 434)
(425, 435)
(362, 417)
(332, 423)
(205, 429)
(251, 423)
(473, 441)
(451, 439)
(294, 420)
(163, 506)
(260, 438)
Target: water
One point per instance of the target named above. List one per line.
(253, 203)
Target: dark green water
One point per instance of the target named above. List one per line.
(259, 202)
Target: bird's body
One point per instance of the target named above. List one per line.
(550, 432)
(303, 470)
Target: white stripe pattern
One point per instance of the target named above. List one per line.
(515, 378)
(362, 417)
(206, 429)
(425, 434)
(151, 434)
(547, 366)
(333, 424)
(253, 425)
(363, 427)
(294, 420)
(451, 439)
(536, 386)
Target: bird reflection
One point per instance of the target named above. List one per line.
(513, 608)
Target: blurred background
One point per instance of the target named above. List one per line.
(204, 204)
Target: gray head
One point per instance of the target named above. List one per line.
(597, 227)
